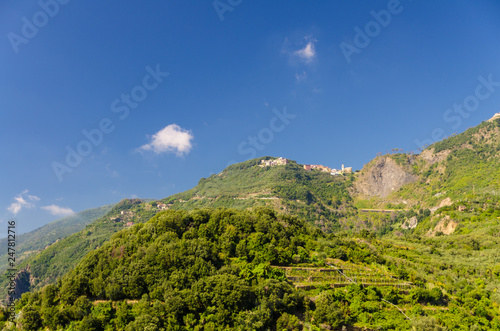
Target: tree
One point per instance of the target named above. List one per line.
(288, 322)
(328, 311)
(144, 323)
(30, 319)
(424, 323)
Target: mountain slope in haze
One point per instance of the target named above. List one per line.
(55, 260)
(32, 242)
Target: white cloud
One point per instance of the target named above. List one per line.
(308, 53)
(33, 197)
(301, 51)
(21, 202)
(170, 139)
(58, 211)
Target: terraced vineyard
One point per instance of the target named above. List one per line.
(340, 274)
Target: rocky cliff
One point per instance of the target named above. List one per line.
(383, 176)
(21, 284)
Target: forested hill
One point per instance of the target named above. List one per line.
(314, 196)
(297, 250)
(229, 269)
(55, 260)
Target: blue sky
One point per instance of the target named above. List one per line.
(169, 92)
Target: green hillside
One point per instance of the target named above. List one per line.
(411, 241)
(462, 170)
(314, 196)
(32, 242)
(228, 269)
(58, 258)
(467, 167)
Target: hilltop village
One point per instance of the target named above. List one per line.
(308, 167)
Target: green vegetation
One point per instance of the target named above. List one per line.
(57, 259)
(206, 267)
(461, 166)
(294, 252)
(313, 196)
(226, 269)
(32, 242)
(244, 185)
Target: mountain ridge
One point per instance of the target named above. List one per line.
(437, 205)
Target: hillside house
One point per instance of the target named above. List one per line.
(274, 162)
(331, 171)
(346, 170)
(129, 224)
(162, 206)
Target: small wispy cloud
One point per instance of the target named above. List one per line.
(33, 197)
(308, 53)
(300, 52)
(170, 139)
(21, 201)
(58, 210)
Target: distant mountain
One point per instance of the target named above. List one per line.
(32, 242)
(59, 257)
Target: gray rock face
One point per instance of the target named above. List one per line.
(22, 284)
(382, 178)
(411, 223)
(431, 157)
